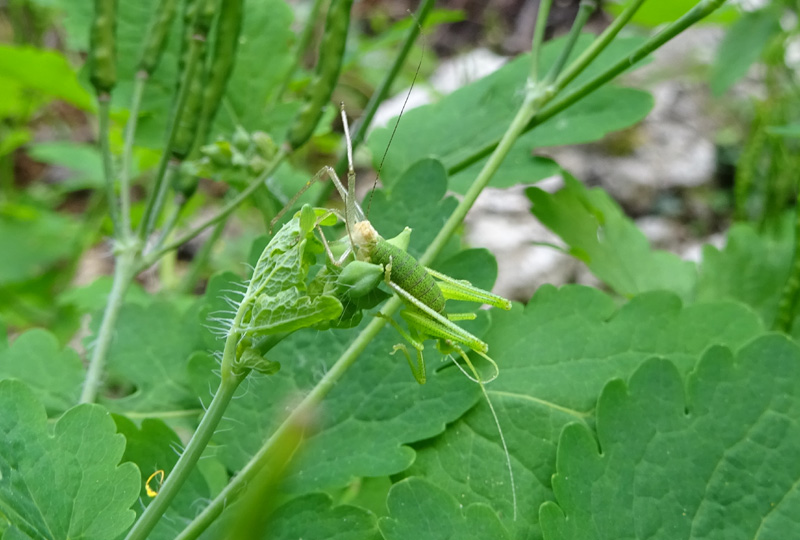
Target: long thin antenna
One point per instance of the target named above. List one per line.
(402, 109)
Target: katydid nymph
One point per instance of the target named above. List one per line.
(369, 260)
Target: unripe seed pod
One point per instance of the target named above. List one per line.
(326, 73)
(157, 36)
(102, 53)
(226, 41)
(185, 182)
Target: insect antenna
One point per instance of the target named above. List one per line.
(402, 109)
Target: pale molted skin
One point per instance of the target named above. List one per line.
(364, 236)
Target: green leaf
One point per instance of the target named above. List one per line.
(421, 510)
(314, 517)
(555, 357)
(83, 160)
(467, 120)
(657, 13)
(37, 240)
(752, 268)
(712, 457)
(93, 297)
(150, 351)
(153, 447)
(615, 250)
(54, 374)
(64, 481)
(44, 71)
(788, 130)
(742, 45)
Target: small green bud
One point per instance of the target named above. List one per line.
(252, 359)
(401, 240)
(219, 153)
(265, 146)
(257, 165)
(239, 160)
(241, 139)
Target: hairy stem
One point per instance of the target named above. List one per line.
(201, 258)
(123, 274)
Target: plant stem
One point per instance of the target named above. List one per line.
(123, 274)
(700, 11)
(365, 121)
(312, 399)
(538, 38)
(176, 478)
(152, 257)
(788, 302)
(585, 9)
(156, 195)
(103, 117)
(127, 152)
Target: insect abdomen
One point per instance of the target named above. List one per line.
(409, 274)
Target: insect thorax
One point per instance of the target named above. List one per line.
(408, 274)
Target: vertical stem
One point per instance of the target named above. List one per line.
(176, 478)
(190, 279)
(538, 38)
(103, 114)
(127, 152)
(123, 274)
(156, 195)
(788, 302)
(585, 9)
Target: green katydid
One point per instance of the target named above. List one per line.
(368, 259)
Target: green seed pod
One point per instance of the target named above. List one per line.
(189, 120)
(326, 74)
(156, 40)
(185, 183)
(226, 41)
(102, 53)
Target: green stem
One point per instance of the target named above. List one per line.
(700, 11)
(788, 302)
(152, 257)
(123, 274)
(598, 46)
(103, 118)
(176, 478)
(127, 152)
(312, 399)
(585, 10)
(156, 195)
(538, 38)
(365, 121)
(161, 194)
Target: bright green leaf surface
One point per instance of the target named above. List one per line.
(478, 114)
(44, 71)
(83, 160)
(741, 46)
(614, 249)
(37, 240)
(155, 447)
(788, 130)
(62, 481)
(712, 457)
(555, 356)
(150, 350)
(419, 509)
(54, 374)
(93, 297)
(656, 13)
(752, 268)
(313, 517)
